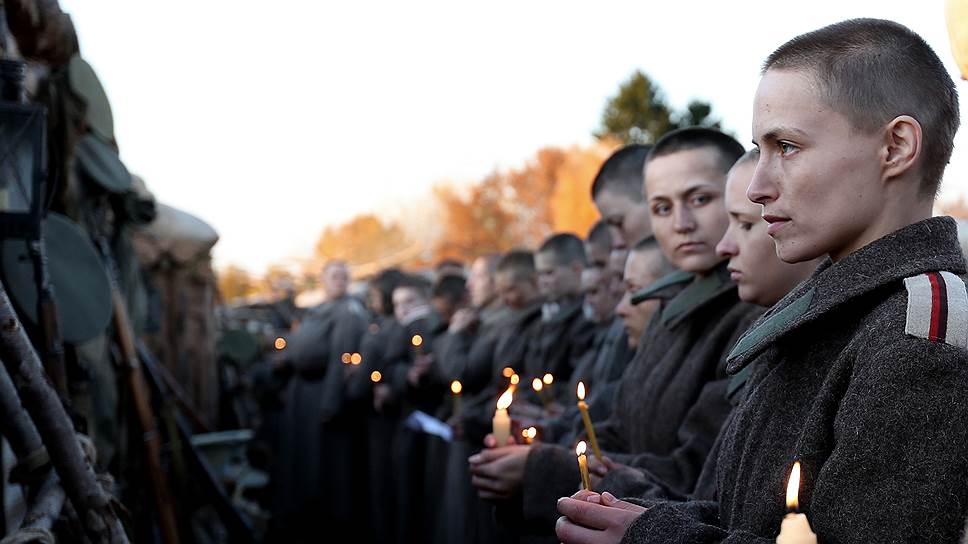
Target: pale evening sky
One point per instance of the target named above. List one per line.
(271, 120)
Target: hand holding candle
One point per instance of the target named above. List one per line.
(795, 528)
(586, 482)
(589, 430)
(501, 424)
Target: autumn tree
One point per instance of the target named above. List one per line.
(477, 222)
(639, 113)
(361, 240)
(235, 283)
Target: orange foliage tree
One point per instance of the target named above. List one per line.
(361, 240)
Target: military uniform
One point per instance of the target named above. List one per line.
(670, 404)
(313, 397)
(563, 337)
(861, 373)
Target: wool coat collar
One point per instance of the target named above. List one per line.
(926, 246)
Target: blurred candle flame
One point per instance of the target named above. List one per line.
(507, 372)
(456, 387)
(548, 379)
(375, 376)
(280, 343)
(793, 488)
(356, 359)
(504, 401)
(515, 379)
(536, 384)
(346, 358)
(580, 448)
(417, 340)
(581, 390)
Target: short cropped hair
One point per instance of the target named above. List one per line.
(599, 235)
(451, 287)
(689, 138)
(660, 265)
(417, 283)
(752, 155)
(519, 263)
(566, 248)
(622, 172)
(384, 283)
(871, 71)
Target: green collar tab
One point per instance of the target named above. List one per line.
(773, 324)
(694, 295)
(669, 280)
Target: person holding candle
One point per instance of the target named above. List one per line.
(860, 372)
(762, 279)
(671, 399)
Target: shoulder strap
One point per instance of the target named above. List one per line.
(937, 308)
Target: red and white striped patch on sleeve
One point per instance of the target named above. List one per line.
(937, 308)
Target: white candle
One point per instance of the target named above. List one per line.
(795, 528)
(501, 424)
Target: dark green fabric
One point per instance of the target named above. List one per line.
(656, 289)
(87, 86)
(99, 163)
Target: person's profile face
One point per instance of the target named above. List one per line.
(555, 281)
(479, 284)
(636, 317)
(598, 296)
(817, 177)
(627, 220)
(513, 292)
(685, 191)
(761, 277)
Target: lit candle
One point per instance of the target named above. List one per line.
(795, 528)
(375, 376)
(548, 379)
(507, 372)
(501, 424)
(346, 358)
(416, 341)
(455, 388)
(586, 482)
(280, 343)
(529, 434)
(538, 387)
(515, 379)
(356, 359)
(589, 430)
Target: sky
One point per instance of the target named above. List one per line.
(272, 120)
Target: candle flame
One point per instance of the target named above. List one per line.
(507, 372)
(417, 340)
(346, 358)
(531, 432)
(505, 399)
(375, 376)
(356, 359)
(536, 384)
(280, 343)
(548, 379)
(793, 488)
(580, 449)
(581, 390)
(456, 387)
(515, 379)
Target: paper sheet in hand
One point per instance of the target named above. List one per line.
(420, 421)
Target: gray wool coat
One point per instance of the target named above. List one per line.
(861, 374)
(670, 404)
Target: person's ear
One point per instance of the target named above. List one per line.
(902, 146)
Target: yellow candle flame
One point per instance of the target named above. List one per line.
(530, 432)
(417, 340)
(548, 379)
(793, 488)
(580, 448)
(515, 379)
(280, 343)
(456, 387)
(536, 384)
(581, 390)
(356, 359)
(346, 358)
(507, 372)
(504, 401)
(375, 376)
